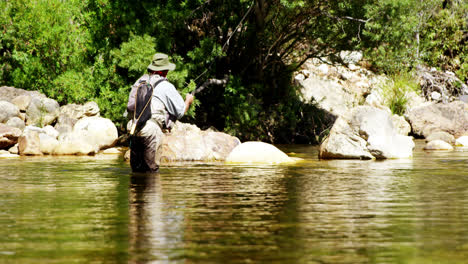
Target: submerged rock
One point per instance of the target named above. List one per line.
(258, 152)
(462, 141)
(438, 145)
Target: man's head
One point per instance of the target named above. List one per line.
(160, 63)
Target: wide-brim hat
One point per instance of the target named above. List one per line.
(161, 62)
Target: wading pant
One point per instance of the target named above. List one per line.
(145, 148)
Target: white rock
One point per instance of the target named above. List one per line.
(47, 143)
(5, 154)
(462, 141)
(438, 145)
(51, 131)
(257, 152)
(98, 131)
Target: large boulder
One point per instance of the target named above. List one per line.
(29, 143)
(74, 144)
(187, 142)
(10, 93)
(42, 111)
(8, 136)
(365, 132)
(451, 118)
(98, 131)
(258, 152)
(8, 111)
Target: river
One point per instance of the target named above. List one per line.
(94, 210)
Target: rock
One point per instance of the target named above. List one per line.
(401, 125)
(462, 141)
(42, 112)
(29, 143)
(47, 143)
(438, 145)
(441, 135)
(91, 109)
(365, 133)
(8, 136)
(71, 113)
(74, 144)
(351, 57)
(51, 131)
(22, 102)
(10, 93)
(257, 152)
(99, 132)
(451, 118)
(7, 111)
(112, 151)
(436, 96)
(65, 125)
(6, 154)
(14, 149)
(329, 95)
(187, 142)
(336, 88)
(16, 122)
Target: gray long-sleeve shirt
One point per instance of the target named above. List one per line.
(165, 93)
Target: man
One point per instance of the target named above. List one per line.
(167, 105)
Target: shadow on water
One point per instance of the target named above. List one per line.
(85, 210)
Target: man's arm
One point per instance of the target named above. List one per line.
(188, 101)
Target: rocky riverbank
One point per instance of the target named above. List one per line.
(362, 126)
(32, 124)
(365, 128)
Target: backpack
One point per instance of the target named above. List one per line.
(141, 107)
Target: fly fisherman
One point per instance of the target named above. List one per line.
(166, 105)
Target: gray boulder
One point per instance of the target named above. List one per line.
(22, 102)
(365, 132)
(7, 111)
(16, 122)
(451, 118)
(10, 93)
(42, 111)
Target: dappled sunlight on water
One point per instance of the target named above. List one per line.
(87, 209)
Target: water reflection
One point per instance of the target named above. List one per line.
(154, 227)
(84, 210)
(248, 213)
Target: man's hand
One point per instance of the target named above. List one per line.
(188, 101)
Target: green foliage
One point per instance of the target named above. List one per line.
(396, 92)
(403, 34)
(41, 40)
(135, 55)
(243, 118)
(77, 51)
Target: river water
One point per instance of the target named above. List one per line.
(94, 210)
